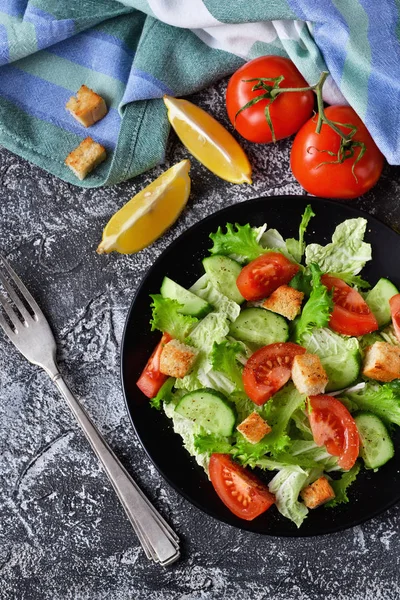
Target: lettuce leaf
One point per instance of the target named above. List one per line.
(347, 254)
(167, 318)
(212, 329)
(223, 359)
(325, 342)
(297, 247)
(165, 394)
(239, 242)
(277, 412)
(316, 311)
(286, 486)
(382, 400)
(340, 486)
(204, 288)
(208, 443)
(308, 455)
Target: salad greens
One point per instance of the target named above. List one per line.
(317, 309)
(289, 449)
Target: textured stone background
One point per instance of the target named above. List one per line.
(63, 534)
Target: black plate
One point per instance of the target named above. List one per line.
(372, 493)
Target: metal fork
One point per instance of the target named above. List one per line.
(29, 331)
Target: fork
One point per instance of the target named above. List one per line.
(27, 328)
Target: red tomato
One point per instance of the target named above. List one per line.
(264, 275)
(394, 303)
(151, 379)
(333, 426)
(334, 180)
(351, 315)
(288, 111)
(239, 490)
(268, 369)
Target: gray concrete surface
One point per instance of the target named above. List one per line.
(63, 534)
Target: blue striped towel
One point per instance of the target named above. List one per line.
(134, 51)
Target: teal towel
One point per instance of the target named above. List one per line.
(134, 52)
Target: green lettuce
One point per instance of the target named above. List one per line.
(382, 400)
(297, 247)
(316, 311)
(239, 241)
(204, 288)
(208, 443)
(165, 394)
(286, 485)
(347, 254)
(340, 486)
(277, 412)
(168, 318)
(325, 343)
(224, 359)
(306, 454)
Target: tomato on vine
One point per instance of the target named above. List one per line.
(330, 165)
(257, 108)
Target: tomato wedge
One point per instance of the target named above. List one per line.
(333, 426)
(264, 275)
(151, 378)
(351, 315)
(241, 491)
(394, 304)
(268, 369)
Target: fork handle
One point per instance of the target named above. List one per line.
(156, 537)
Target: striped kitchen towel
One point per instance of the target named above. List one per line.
(133, 51)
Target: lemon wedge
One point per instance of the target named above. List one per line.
(208, 141)
(148, 214)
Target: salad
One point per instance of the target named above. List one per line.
(280, 367)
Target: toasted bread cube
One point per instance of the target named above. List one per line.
(382, 362)
(85, 157)
(308, 374)
(177, 359)
(285, 301)
(254, 428)
(88, 107)
(317, 493)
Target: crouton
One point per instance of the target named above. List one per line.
(88, 107)
(308, 374)
(254, 428)
(382, 362)
(285, 301)
(177, 359)
(317, 493)
(85, 157)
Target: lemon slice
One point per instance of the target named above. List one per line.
(148, 214)
(208, 141)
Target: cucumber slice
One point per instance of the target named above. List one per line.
(192, 304)
(376, 446)
(260, 326)
(378, 300)
(342, 369)
(223, 272)
(210, 410)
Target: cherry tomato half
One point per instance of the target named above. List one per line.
(351, 315)
(151, 378)
(268, 369)
(241, 491)
(329, 180)
(394, 303)
(264, 275)
(288, 111)
(333, 426)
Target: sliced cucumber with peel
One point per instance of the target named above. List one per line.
(376, 446)
(191, 304)
(342, 369)
(378, 300)
(223, 272)
(260, 326)
(209, 409)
